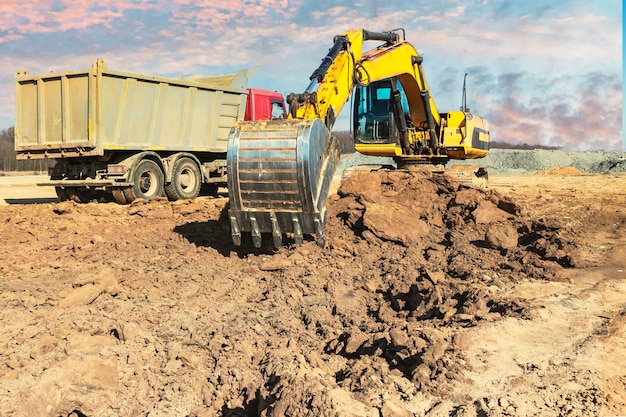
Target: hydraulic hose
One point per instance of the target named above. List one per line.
(425, 95)
(320, 72)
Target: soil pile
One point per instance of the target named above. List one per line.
(563, 171)
(149, 309)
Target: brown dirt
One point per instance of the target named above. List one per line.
(563, 171)
(430, 299)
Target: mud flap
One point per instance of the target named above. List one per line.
(279, 174)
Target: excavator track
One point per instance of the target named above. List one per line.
(472, 175)
(279, 174)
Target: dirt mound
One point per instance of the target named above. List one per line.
(149, 309)
(563, 171)
(437, 219)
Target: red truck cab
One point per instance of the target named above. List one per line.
(264, 105)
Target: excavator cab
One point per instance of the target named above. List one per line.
(375, 118)
(372, 114)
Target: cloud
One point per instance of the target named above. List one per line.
(48, 16)
(527, 61)
(8, 37)
(574, 111)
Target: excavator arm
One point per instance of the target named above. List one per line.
(279, 171)
(333, 81)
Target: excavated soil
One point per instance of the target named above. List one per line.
(431, 298)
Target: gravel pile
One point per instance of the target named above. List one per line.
(507, 161)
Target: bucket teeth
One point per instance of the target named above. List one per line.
(279, 175)
(277, 234)
(255, 231)
(234, 230)
(297, 231)
(319, 234)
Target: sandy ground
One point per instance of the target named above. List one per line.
(430, 299)
(23, 189)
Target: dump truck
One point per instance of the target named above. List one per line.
(122, 136)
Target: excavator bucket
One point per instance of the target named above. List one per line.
(279, 174)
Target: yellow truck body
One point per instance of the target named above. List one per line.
(89, 112)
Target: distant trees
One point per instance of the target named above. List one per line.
(8, 162)
(346, 143)
(520, 146)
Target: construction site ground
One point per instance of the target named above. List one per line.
(430, 298)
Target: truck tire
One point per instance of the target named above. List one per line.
(147, 180)
(210, 189)
(61, 193)
(186, 180)
(79, 195)
(118, 196)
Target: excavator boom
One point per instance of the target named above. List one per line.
(279, 171)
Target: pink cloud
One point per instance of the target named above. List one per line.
(167, 33)
(10, 37)
(47, 16)
(589, 122)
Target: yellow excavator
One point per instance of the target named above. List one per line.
(279, 171)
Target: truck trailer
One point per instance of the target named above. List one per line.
(123, 136)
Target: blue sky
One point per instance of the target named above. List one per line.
(542, 72)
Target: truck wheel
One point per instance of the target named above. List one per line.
(118, 196)
(61, 193)
(107, 196)
(80, 195)
(186, 180)
(148, 181)
(210, 189)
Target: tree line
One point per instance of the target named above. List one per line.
(521, 146)
(8, 161)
